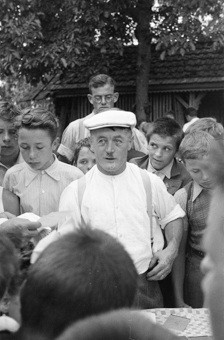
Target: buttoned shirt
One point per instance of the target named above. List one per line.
(118, 205)
(39, 190)
(165, 172)
(71, 136)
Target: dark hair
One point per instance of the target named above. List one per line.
(191, 111)
(100, 80)
(8, 111)
(9, 267)
(81, 274)
(209, 125)
(166, 127)
(38, 118)
(82, 143)
(117, 325)
(195, 145)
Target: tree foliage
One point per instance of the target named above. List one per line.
(40, 38)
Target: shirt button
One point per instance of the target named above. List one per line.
(43, 191)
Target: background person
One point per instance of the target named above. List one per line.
(10, 153)
(102, 96)
(191, 116)
(84, 157)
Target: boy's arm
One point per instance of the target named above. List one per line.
(178, 271)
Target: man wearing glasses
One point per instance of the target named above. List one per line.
(102, 96)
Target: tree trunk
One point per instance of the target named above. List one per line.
(143, 35)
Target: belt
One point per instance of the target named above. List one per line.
(198, 252)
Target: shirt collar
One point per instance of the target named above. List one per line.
(52, 171)
(197, 189)
(165, 172)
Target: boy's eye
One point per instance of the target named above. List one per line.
(1, 131)
(39, 147)
(167, 149)
(195, 171)
(83, 162)
(24, 147)
(118, 141)
(154, 146)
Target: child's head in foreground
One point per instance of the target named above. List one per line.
(37, 137)
(83, 273)
(194, 150)
(84, 158)
(164, 139)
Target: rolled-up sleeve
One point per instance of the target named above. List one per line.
(164, 204)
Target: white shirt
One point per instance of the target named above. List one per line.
(40, 190)
(118, 205)
(189, 123)
(165, 172)
(71, 136)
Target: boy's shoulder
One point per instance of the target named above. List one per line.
(70, 169)
(178, 169)
(16, 168)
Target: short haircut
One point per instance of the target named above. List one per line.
(38, 118)
(195, 145)
(8, 111)
(166, 127)
(83, 273)
(191, 111)
(101, 80)
(85, 142)
(209, 125)
(9, 267)
(117, 325)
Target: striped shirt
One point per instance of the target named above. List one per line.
(40, 190)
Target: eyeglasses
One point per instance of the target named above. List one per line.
(108, 98)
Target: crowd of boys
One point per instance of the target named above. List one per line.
(134, 218)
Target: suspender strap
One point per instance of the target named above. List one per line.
(81, 189)
(148, 189)
(81, 129)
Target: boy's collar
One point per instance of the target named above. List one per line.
(165, 172)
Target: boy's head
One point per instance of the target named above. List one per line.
(37, 137)
(8, 133)
(102, 92)
(194, 151)
(83, 273)
(164, 139)
(84, 158)
(213, 263)
(209, 125)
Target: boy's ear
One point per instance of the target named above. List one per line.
(90, 97)
(55, 144)
(116, 96)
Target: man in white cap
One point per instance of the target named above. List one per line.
(102, 96)
(123, 200)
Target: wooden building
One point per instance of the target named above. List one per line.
(177, 82)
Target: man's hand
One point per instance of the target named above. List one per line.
(20, 230)
(161, 263)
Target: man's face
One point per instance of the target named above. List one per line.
(8, 139)
(111, 146)
(213, 265)
(161, 151)
(103, 97)
(198, 170)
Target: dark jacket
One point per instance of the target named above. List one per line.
(179, 175)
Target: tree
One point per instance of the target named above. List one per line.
(39, 38)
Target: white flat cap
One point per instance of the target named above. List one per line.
(109, 118)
